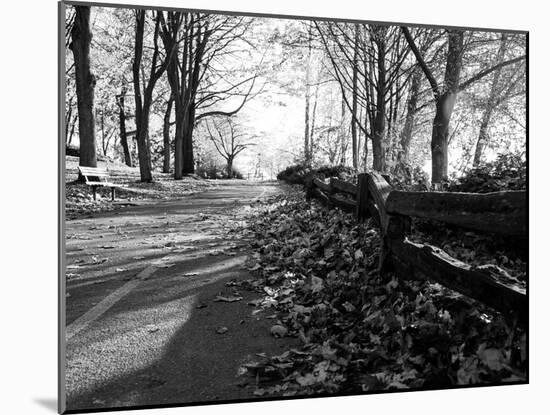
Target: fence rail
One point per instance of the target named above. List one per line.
(502, 213)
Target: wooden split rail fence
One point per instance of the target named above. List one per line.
(501, 213)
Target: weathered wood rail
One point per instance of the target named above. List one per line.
(500, 213)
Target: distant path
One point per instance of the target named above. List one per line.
(135, 334)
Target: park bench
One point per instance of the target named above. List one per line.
(97, 177)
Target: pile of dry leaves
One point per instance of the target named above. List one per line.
(317, 269)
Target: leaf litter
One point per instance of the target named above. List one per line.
(317, 271)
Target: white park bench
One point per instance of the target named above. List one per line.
(97, 177)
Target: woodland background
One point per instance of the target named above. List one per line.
(233, 96)
(38, 393)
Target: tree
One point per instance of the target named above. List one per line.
(412, 108)
(144, 98)
(228, 139)
(85, 82)
(445, 95)
(166, 135)
(502, 87)
(113, 51)
(122, 126)
(367, 63)
(307, 132)
(198, 39)
(354, 96)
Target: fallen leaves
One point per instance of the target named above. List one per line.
(317, 269)
(316, 284)
(79, 200)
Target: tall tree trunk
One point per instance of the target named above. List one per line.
(188, 165)
(122, 128)
(144, 153)
(85, 84)
(142, 112)
(313, 117)
(104, 142)
(379, 133)
(166, 135)
(306, 128)
(184, 78)
(445, 103)
(68, 119)
(307, 156)
(366, 144)
(354, 98)
(440, 136)
(342, 132)
(143, 103)
(392, 122)
(412, 102)
(178, 143)
(483, 137)
(71, 132)
(229, 167)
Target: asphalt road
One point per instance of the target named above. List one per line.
(141, 317)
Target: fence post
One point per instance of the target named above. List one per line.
(362, 211)
(398, 227)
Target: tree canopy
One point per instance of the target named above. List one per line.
(163, 90)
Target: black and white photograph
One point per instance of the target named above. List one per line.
(262, 207)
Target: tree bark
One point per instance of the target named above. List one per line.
(142, 111)
(143, 103)
(229, 167)
(68, 119)
(444, 106)
(313, 118)
(307, 155)
(71, 132)
(379, 132)
(104, 141)
(122, 127)
(408, 127)
(178, 143)
(85, 84)
(177, 85)
(188, 166)
(354, 99)
(366, 144)
(342, 131)
(483, 137)
(184, 78)
(166, 135)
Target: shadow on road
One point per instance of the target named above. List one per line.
(159, 343)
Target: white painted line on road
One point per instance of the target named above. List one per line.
(78, 283)
(100, 308)
(202, 270)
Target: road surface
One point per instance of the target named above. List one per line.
(141, 317)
